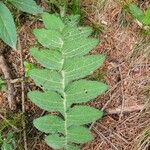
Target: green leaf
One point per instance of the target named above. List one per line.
(80, 115)
(6, 146)
(72, 20)
(73, 148)
(49, 101)
(28, 6)
(7, 27)
(49, 38)
(79, 47)
(84, 91)
(79, 135)
(49, 124)
(146, 19)
(76, 33)
(52, 22)
(65, 55)
(48, 58)
(79, 67)
(47, 79)
(55, 141)
(136, 12)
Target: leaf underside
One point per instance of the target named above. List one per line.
(65, 62)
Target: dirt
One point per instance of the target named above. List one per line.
(126, 71)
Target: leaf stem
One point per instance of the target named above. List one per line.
(64, 102)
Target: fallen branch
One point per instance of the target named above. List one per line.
(10, 87)
(125, 110)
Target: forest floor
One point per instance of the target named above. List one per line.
(126, 124)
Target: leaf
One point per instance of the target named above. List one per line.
(48, 58)
(47, 79)
(7, 27)
(84, 91)
(49, 124)
(49, 101)
(72, 20)
(52, 22)
(136, 12)
(79, 135)
(146, 19)
(49, 38)
(79, 67)
(73, 147)
(28, 6)
(6, 146)
(79, 47)
(80, 115)
(55, 141)
(76, 33)
(66, 59)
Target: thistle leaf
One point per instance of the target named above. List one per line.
(52, 22)
(80, 115)
(79, 135)
(49, 101)
(47, 58)
(49, 124)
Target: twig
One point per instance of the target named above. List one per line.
(125, 110)
(105, 138)
(10, 87)
(123, 97)
(23, 96)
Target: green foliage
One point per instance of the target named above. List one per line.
(7, 26)
(8, 143)
(2, 85)
(142, 17)
(66, 6)
(65, 62)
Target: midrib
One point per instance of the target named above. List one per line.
(64, 101)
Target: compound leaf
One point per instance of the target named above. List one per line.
(49, 124)
(80, 115)
(28, 6)
(7, 27)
